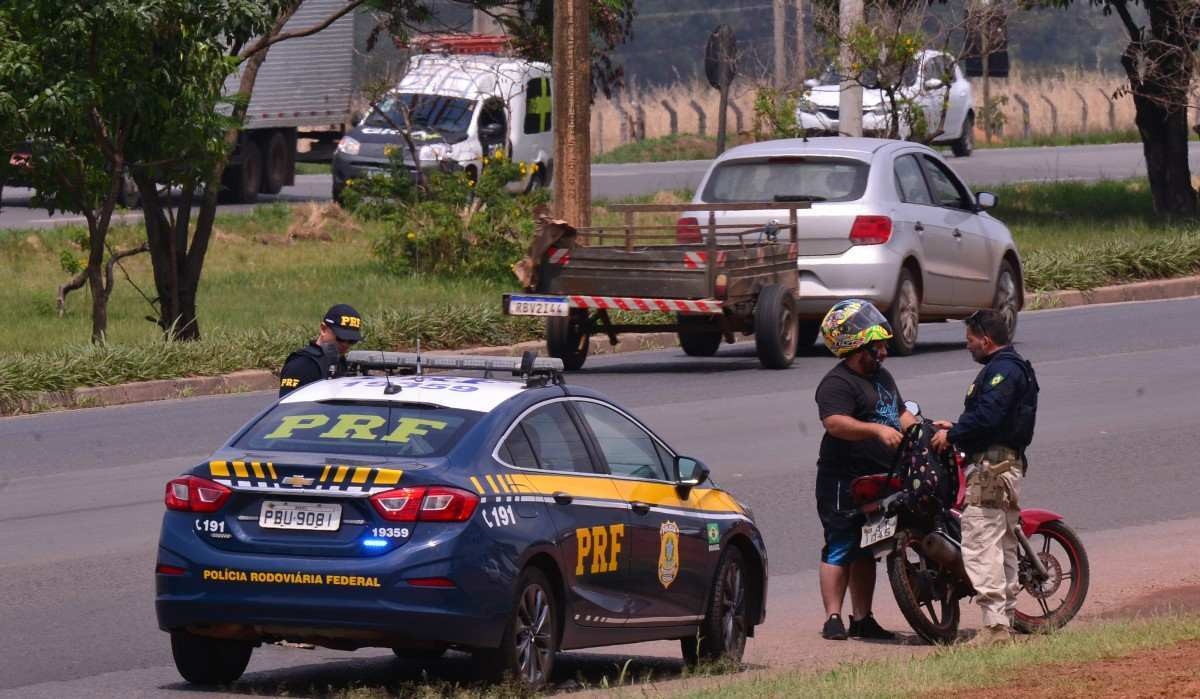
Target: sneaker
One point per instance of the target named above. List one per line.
(990, 636)
(870, 629)
(834, 630)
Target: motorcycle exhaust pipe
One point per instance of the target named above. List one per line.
(942, 549)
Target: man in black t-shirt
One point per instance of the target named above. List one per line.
(863, 415)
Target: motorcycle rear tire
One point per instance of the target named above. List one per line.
(1079, 581)
(934, 626)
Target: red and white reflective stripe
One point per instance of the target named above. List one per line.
(558, 256)
(699, 260)
(627, 303)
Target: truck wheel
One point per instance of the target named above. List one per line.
(209, 661)
(530, 639)
(699, 336)
(905, 315)
(775, 327)
(242, 181)
(275, 172)
(567, 338)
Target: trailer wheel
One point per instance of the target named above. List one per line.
(275, 172)
(241, 182)
(699, 336)
(567, 338)
(775, 327)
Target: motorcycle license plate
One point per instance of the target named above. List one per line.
(878, 529)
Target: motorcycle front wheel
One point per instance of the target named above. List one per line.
(928, 601)
(1049, 604)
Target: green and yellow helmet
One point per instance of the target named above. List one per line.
(853, 324)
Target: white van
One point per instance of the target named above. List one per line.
(462, 108)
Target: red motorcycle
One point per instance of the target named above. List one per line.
(920, 538)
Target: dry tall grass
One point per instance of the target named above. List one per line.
(1068, 92)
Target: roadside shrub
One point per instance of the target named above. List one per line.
(449, 226)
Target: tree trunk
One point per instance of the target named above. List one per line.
(1164, 134)
(95, 277)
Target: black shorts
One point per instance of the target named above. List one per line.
(842, 532)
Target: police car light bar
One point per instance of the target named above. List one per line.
(407, 361)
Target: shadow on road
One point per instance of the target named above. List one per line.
(398, 677)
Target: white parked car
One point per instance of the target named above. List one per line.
(889, 222)
(927, 85)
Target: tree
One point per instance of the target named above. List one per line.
(90, 85)
(1160, 62)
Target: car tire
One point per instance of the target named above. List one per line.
(567, 338)
(1008, 300)
(699, 336)
(530, 639)
(275, 169)
(775, 327)
(965, 144)
(209, 661)
(726, 618)
(905, 315)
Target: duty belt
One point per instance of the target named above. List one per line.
(989, 482)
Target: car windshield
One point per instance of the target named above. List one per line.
(403, 430)
(434, 112)
(787, 179)
(869, 78)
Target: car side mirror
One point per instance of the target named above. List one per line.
(986, 200)
(934, 84)
(689, 473)
(357, 118)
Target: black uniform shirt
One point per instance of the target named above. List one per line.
(1001, 405)
(309, 364)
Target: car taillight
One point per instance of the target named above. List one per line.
(871, 230)
(194, 494)
(687, 230)
(425, 504)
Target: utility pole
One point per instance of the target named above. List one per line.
(780, 17)
(850, 15)
(572, 113)
(801, 44)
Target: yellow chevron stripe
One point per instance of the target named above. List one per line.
(387, 476)
(239, 469)
(660, 494)
(258, 470)
(503, 485)
(361, 474)
(478, 486)
(324, 474)
(271, 470)
(218, 469)
(340, 475)
(492, 483)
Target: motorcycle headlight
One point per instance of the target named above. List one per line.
(348, 145)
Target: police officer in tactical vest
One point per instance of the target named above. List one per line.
(325, 357)
(994, 430)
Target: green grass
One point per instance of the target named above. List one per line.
(676, 147)
(263, 291)
(965, 668)
(1090, 138)
(312, 168)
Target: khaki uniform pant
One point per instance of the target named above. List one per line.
(990, 556)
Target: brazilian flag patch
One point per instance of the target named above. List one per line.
(996, 380)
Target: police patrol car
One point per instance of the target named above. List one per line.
(508, 518)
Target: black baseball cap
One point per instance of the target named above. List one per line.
(345, 322)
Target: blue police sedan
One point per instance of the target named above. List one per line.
(508, 518)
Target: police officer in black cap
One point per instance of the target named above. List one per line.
(325, 357)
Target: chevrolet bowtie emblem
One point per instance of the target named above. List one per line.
(298, 481)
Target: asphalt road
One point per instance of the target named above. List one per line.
(81, 491)
(989, 166)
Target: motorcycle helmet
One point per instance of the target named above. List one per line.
(851, 325)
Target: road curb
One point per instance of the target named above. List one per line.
(263, 380)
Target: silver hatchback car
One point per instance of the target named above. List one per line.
(889, 222)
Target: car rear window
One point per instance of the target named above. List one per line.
(787, 179)
(360, 429)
